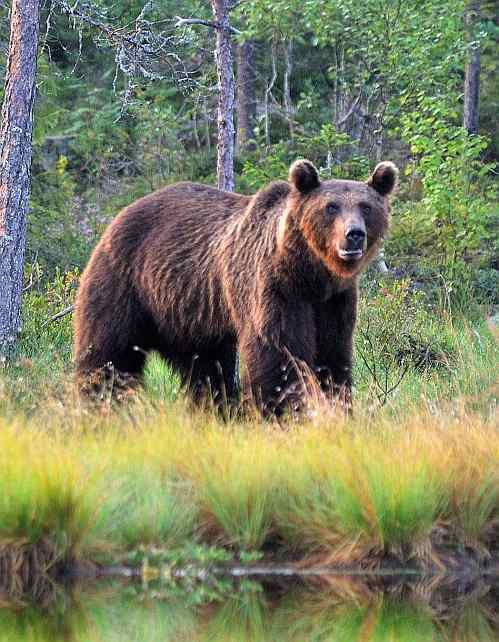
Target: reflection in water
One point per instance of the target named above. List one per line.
(248, 613)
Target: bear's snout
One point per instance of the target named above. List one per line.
(355, 237)
(353, 243)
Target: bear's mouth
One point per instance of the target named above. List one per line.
(350, 255)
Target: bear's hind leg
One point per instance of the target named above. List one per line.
(111, 349)
(114, 376)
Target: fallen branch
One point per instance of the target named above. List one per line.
(60, 314)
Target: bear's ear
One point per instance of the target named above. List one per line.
(304, 176)
(384, 178)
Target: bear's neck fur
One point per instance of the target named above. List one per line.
(302, 274)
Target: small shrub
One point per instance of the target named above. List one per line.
(44, 354)
(458, 203)
(272, 163)
(397, 331)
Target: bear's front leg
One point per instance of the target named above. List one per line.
(276, 372)
(335, 321)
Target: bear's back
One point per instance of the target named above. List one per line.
(178, 209)
(167, 245)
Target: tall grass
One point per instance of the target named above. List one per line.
(372, 490)
(44, 491)
(342, 488)
(142, 506)
(403, 478)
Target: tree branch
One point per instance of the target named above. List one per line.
(182, 22)
(60, 314)
(351, 110)
(140, 51)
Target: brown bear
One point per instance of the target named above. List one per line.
(199, 275)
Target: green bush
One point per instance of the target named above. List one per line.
(54, 238)
(43, 362)
(272, 163)
(399, 331)
(455, 219)
(486, 285)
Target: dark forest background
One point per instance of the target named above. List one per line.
(127, 99)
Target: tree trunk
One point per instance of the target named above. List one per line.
(268, 92)
(207, 126)
(246, 98)
(226, 94)
(472, 70)
(16, 131)
(288, 105)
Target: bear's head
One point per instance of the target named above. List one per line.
(343, 222)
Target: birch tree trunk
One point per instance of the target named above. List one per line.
(288, 105)
(472, 70)
(268, 93)
(226, 96)
(16, 131)
(246, 97)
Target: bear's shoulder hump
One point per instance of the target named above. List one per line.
(271, 195)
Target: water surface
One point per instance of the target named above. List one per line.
(329, 609)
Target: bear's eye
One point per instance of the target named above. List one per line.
(332, 209)
(366, 209)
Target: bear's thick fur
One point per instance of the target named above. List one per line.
(199, 274)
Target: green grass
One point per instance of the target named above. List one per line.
(421, 461)
(142, 506)
(363, 492)
(44, 493)
(341, 488)
(160, 382)
(236, 478)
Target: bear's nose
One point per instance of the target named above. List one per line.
(356, 236)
